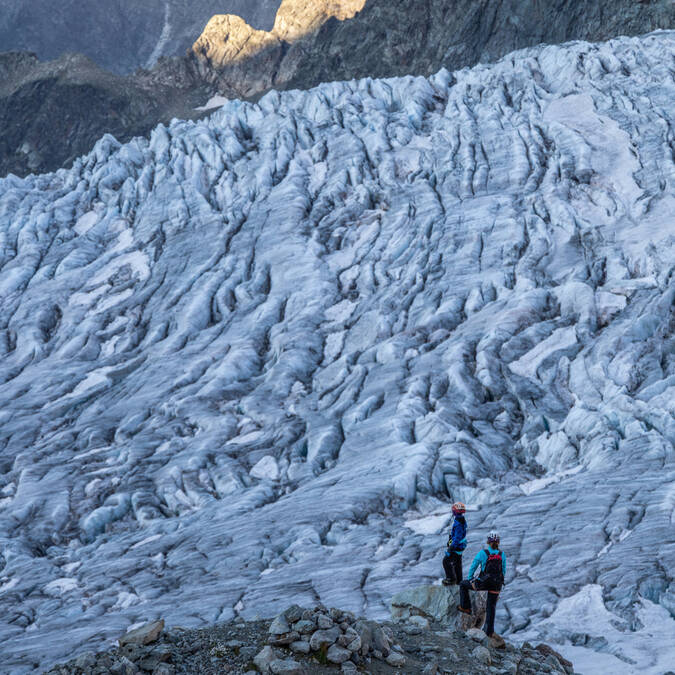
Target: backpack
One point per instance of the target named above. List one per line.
(492, 575)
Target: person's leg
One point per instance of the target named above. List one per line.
(489, 627)
(457, 562)
(448, 568)
(464, 598)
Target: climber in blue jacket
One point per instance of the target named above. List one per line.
(492, 563)
(452, 560)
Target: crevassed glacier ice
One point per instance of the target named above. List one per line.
(252, 359)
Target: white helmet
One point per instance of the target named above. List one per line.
(493, 536)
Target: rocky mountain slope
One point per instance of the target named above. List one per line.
(320, 640)
(118, 35)
(255, 357)
(53, 112)
(47, 122)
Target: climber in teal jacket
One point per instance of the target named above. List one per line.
(482, 559)
(492, 562)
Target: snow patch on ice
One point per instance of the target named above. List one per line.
(428, 525)
(213, 103)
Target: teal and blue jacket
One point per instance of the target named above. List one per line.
(457, 540)
(481, 559)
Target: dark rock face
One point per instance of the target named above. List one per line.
(400, 37)
(119, 35)
(53, 112)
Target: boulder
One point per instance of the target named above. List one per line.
(323, 621)
(477, 617)
(153, 658)
(283, 639)
(322, 638)
(417, 620)
(264, 658)
(481, 655)
(286, 667)
(381, 642)
(337, 654)
(300, 647)
(478, 635)
(279, 626)
(123, 667)
(144, 635)
(396, 659)
(546, 651)
(293, 613)
(85, 661)
(304, 626)
(362, 627)
(437, 603)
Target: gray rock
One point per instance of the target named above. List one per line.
(510, 667)
(155, 657)
(264, 658)
(293, 613)
(283, 638)
(324, 638)
(304, 626)
(478, 635)
(482, 655)
(323, 621)
(337, 654)
(279, 626)
(85, 661)
(144, 635)
(348, 668)
(301, 647)
(420, 621)
(432, 602)
(123, 666)
(286, 667)
(380, 639)
(164, 669)
(363, 629)
(395, 659)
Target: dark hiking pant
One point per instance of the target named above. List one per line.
(492, 597)
(452, 566)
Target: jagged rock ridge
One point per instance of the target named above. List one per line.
(47, 123)
(119, 35)
(257, 356)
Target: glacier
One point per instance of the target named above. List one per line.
(252, 360)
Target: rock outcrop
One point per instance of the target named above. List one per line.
(316, 641)
(53, 112)
(119, 35)
(438, 603)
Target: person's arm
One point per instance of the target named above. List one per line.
(456, 535)
(504, 564)
(478, 560)
(451, 537)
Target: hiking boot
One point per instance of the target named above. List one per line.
(449, 582)
(461, 609)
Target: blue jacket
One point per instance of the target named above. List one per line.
(481, 559)
(457, 540)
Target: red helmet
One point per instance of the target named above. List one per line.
(458, 509)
